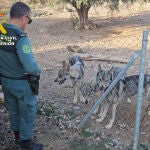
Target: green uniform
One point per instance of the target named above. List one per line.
(16, 58)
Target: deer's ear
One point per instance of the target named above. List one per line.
(64, 64)
(99, 67)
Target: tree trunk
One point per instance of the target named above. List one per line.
(82, 12)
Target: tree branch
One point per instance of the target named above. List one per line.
(95, 58)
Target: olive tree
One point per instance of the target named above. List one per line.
(83, 6)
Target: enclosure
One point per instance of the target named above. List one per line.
(112, 44)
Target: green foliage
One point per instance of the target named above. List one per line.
(144, 146)
(61, 117)
(84, 144)
(71, 114)
(34, 1)
(104, 144)
(47, 109)
(112, 4)
(39, 111)
(45, 2)
(85, 132)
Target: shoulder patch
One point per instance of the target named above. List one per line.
(26, 49)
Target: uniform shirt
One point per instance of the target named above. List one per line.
(16, 57)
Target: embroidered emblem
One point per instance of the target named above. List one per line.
(26, 49)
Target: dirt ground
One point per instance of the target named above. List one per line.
(118, 37)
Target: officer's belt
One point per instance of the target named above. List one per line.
(25, 77)
(32, 80)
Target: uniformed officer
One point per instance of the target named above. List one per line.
(16, 60)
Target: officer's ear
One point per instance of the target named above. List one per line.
(25, 19)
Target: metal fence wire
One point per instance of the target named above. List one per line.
(106, 52)
(114, 85)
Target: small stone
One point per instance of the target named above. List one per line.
(149, 113)
(98, 139)
(143, 133)
(92, 117)
(76, 107)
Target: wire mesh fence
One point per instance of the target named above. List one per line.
(125, 89)
(112, 45)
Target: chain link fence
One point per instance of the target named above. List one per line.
(111, 45)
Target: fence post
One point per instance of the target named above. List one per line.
(140, 89)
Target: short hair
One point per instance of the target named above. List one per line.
(18, 9)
